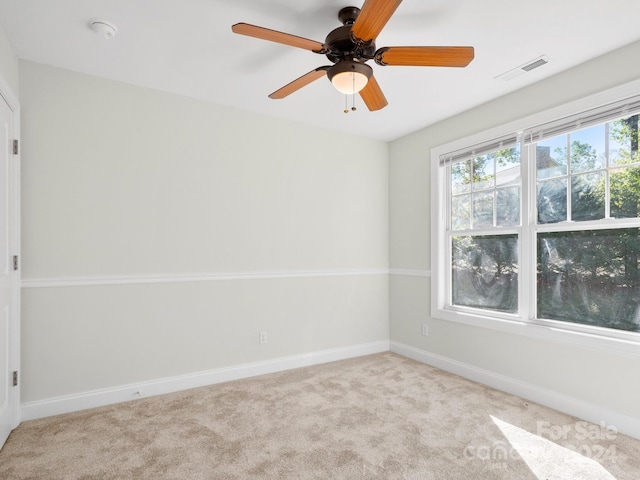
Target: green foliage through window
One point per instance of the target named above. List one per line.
(485, 272)
(590, 277)
(587, 272)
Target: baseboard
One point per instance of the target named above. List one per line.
(563, 403)
(549, 398)
(100, 398)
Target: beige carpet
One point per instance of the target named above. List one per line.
(376, 417)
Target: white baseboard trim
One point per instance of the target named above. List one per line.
(549, 398)
(109, 396)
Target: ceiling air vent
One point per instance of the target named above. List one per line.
(535, 64)
(522, 69)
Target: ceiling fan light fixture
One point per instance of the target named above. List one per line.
(349, 77)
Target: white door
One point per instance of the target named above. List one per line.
(7, 319)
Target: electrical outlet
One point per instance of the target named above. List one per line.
(263, 338)
(425, 329)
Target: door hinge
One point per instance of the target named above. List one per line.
(15, 379)
(15, 262)
(16, 148)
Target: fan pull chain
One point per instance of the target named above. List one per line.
(353, 103)
(353, 89)
(353, 97)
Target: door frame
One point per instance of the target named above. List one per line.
(7, 95)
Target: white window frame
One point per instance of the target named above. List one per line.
(523, 322)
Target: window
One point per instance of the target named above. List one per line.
(485, 196)
(585, 274)
(540, 225)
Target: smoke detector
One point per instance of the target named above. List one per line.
(103, 28)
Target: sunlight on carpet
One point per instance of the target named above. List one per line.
(547, 459)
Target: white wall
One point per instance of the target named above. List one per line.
(121, 182)
(8, 63)
(608, 381)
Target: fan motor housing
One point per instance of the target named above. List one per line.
(344, 48)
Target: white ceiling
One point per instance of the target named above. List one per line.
(187, 47)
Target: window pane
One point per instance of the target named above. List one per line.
(552, 201)
(623, 141)
(491, 178)
(588, 149)
(485, 272)
(483, 210)
(461, 177)
(590, 277)
(483, 172)
(625, 192)
(508, 207)
(587, 196)
(551, 157)
(461, 212)
(507, 166)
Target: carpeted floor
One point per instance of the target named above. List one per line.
(376, 417)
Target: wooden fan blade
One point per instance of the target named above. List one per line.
(425, 56)
(372, 95)
(279, 37)
(298, 83)
(373, 16)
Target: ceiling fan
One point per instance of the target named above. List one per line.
(349, 48)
